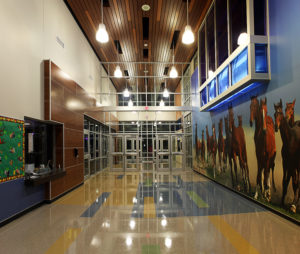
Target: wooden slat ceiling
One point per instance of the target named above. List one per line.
(123, 21)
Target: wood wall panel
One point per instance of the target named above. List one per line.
(59, 92)
(73, 138)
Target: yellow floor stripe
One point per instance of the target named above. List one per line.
(238, 242)
(63, 243)
(149, 207)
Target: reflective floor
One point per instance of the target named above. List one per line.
(149, 213)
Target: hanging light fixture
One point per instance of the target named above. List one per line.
(243, 39)
(188, 35)
(118, 72)
(166, 92)
(126, 93)
(102, 35)
(130, 103)
(173, 72)
(162, 103)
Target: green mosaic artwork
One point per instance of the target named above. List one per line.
(11, 149)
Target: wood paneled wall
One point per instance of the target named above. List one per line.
(64, 102)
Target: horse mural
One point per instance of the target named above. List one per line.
(221, 147)
(203, 147)
(214, 148)
(208, 143)
(198, 148)
(290, 154)
(228, 140)
(238, 149)
(265, 147)
(289, 113)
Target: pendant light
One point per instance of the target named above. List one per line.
(118, 72)
(166, 92)
(243, 39)
(126, 93)
(173, 72)
(130, 103)
(102, 35)
(188, 35)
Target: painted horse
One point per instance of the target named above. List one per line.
(214, 148)
(228, 140)
(208, 144)
(221, 147)
(265, 147)
(198, 148)
(289, 113)
(238, 150)
(203, 148)
(290, 153)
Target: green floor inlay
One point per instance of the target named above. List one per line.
(150, 249)
(200, 203)
(148, 182)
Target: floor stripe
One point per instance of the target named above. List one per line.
(120, 176)
(90, 212)
(198, 201)
(238, 242)
(149, 207)
(63, 243)
(150, 249)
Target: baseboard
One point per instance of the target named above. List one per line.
(48, 201)
(18, 215)
(253, 200)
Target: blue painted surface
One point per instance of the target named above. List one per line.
(16, 197)
(91, 211)
(172, 200)
(203, 96)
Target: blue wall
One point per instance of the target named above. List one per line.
(15, 197)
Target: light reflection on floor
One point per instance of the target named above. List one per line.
(135, 212)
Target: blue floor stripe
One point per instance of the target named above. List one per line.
(120, 176)
(90, 212)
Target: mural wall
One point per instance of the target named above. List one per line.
(11, 149)
(253, 144)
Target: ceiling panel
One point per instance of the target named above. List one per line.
(123, 21)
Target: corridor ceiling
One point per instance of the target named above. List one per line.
(142, 36)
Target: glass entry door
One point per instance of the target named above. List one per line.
(117, 151)
(131, 152)
(86, 154)
(177, 151)
(163, 152)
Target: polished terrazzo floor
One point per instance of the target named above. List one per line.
(135, 212)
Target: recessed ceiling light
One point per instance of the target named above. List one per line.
(145, 7)
(145, 44)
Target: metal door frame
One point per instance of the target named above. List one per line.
(159, 138)
(182, 152)
(132, 137)
(112, 153)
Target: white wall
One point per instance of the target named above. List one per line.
(29, 31)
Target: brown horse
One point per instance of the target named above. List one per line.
(221, 146)
(238, 149)
(208, 143)
(214, 148)
(228, 140)
(265, 147)
(203, 147)
(289, 113)
(290, 154)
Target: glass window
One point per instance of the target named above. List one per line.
(202, 55)
(210, 30)
(212, 90)
(222, 31)
(259, 17)
(261, 62)
(239, 66)
(203, 97)
(223, 80)
(238, 20)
